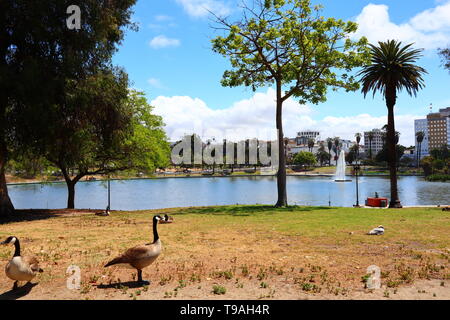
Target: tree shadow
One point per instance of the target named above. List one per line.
(121, 285)
(18, 293)
(249, 210)
(23, 215)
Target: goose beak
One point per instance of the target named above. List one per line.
(3, 242)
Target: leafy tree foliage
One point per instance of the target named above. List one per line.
(304, 158)
(289, 44)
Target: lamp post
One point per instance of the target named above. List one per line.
(109, 194)
(356, 168)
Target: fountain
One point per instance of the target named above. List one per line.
(340, 169)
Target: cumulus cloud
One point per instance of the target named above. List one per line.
(255, 118)
(429, 29)
(201, 8)
(162, 41)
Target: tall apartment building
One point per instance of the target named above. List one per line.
(377, 142)
(439, 129)
(422, 125)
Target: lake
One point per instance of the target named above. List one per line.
(143, 194)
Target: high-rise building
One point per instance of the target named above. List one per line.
(439, 129)
(422, 125)
(376, 145)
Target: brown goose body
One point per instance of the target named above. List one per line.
(138, 257)
(141, 256)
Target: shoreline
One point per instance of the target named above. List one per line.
(206, 176)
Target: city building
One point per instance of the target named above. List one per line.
(377, 142)
(422, 125)
(439, 129)
(303, 137)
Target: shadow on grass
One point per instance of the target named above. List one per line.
(249, 210)
(18, 293)
(41, 214)
(122, 285)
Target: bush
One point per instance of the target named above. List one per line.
(438, 177)
(427, 165)
(304, 158)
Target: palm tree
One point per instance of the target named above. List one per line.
(419, 136)
(392, 69)
(311, 144)
(370, 135)
(337, 142)
(329, 145)
(358, 140)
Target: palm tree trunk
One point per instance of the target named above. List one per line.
(391, 146)
(281, 175)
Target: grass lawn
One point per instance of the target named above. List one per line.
(253, 252)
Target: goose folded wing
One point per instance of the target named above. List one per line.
(32, 262)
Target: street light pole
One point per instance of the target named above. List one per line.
(356, 168)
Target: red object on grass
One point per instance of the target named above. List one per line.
(377, 202)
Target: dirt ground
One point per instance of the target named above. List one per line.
(215, 257)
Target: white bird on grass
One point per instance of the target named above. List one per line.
(377, 231)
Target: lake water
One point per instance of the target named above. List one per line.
(182, 192)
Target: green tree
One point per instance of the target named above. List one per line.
(304, 158)
(289, 44)
(321, 155)
(330, 146)
(40, 58)
(121, 135)
(427, 165)
(392, 70)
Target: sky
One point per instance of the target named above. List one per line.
(171, 60)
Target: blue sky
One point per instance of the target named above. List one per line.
(170, 58)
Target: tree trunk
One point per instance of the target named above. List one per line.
(70, 195)
(6, 206)
(391, 146)
(281, 175)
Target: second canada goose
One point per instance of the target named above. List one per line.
(377, 231)
(141, 256)
(167, 219)
(20, 268)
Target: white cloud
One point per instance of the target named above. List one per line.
(255, 117)
(163, 18)
(429, 29)
(162, 41)
(200, 8)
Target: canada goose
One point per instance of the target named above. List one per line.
(141, 256)
(20, 268)
(167, 219)
(377, 231)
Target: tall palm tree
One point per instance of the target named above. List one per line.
(392, 69)
(337, 142)
(311, 144)
(370, 135)
(358, 140)
(329, 145)
(419, 136)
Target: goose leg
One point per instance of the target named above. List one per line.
(140, 278)
(15, 286)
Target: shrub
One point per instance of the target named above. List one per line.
(438, 177)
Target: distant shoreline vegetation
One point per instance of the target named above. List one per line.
(438, 177)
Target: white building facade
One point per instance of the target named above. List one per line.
(422, 125)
